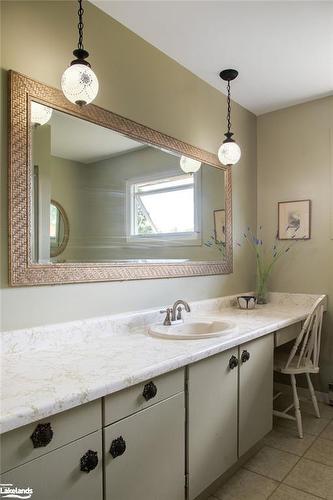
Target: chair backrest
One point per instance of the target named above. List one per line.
(307, 343)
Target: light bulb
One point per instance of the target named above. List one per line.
(229, 153)
(79, 84)
(40, 114)
(188, 165)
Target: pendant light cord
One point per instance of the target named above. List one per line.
(229, 107)
(80, 24)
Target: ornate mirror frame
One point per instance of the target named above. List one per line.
(22, 270)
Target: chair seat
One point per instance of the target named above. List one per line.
(280, 361)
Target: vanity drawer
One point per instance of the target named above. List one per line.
(287, 334)
(58, 475)
(17, 446)
(131, 400)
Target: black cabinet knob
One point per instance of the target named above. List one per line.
(149, 391)
(245, 356)
(89, 461)
(118, 447)
(42, 435)
(233, 362)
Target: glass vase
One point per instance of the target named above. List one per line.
(262, 291)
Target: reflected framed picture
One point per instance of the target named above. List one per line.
(294, 220)
(219, 225)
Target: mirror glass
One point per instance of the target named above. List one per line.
(124, 201)
(59, 229)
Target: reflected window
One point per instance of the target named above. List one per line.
(166, 207)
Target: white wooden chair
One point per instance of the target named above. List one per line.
(303, 359)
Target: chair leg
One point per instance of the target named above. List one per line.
(297, 407)
(313, 395)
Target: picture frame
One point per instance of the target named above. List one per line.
(294, 220)
(219, 225)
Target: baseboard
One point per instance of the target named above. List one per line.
(303, 392)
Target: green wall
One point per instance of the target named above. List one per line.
(139, 82)
(295, 163)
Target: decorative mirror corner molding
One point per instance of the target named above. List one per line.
(22, 270)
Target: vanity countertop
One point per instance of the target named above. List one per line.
(50, 369)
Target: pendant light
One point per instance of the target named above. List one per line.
(39, 114)
(79, 83)
(188, 165)
(229, 152)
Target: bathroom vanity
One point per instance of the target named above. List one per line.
(100, 407)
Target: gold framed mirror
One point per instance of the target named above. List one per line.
(135, 210)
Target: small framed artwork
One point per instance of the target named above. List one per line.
(294, 220)
(219, 225)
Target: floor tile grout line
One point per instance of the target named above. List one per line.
(303, 491)
(324, 429)
(278, 486)
(316, 462)
(271, 478)
(290, 452)
(295, 487)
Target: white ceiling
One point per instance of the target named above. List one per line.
(283, 50)
(82, 141)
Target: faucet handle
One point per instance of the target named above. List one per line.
(179, 312)
(167, 320)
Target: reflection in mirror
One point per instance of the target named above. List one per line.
(126, 201)
(59, 229)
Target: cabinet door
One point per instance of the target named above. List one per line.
(57, 474)
(255, 391)
(212, 420)
(148, 461)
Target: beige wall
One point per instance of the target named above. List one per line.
(294, 162)
(141, 83)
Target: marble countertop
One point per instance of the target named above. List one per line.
(50, 369)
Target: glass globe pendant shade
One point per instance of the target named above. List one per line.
(79, 84)
(40, 114)
(188, 165)
(229, 153)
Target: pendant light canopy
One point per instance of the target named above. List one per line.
(79, 83)
(229, 153)
(188, 165)
(40, 114)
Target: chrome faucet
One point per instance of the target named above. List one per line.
(174, 313)
(178, 307)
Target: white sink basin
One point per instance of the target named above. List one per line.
(193, 330)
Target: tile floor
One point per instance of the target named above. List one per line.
(286, 467)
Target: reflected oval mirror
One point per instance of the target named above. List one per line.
(59, 229)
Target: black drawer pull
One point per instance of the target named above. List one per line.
(89, 461)
(233, 362)
(118, 447)
(245, 356)
(149, 391)
(42, 435)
